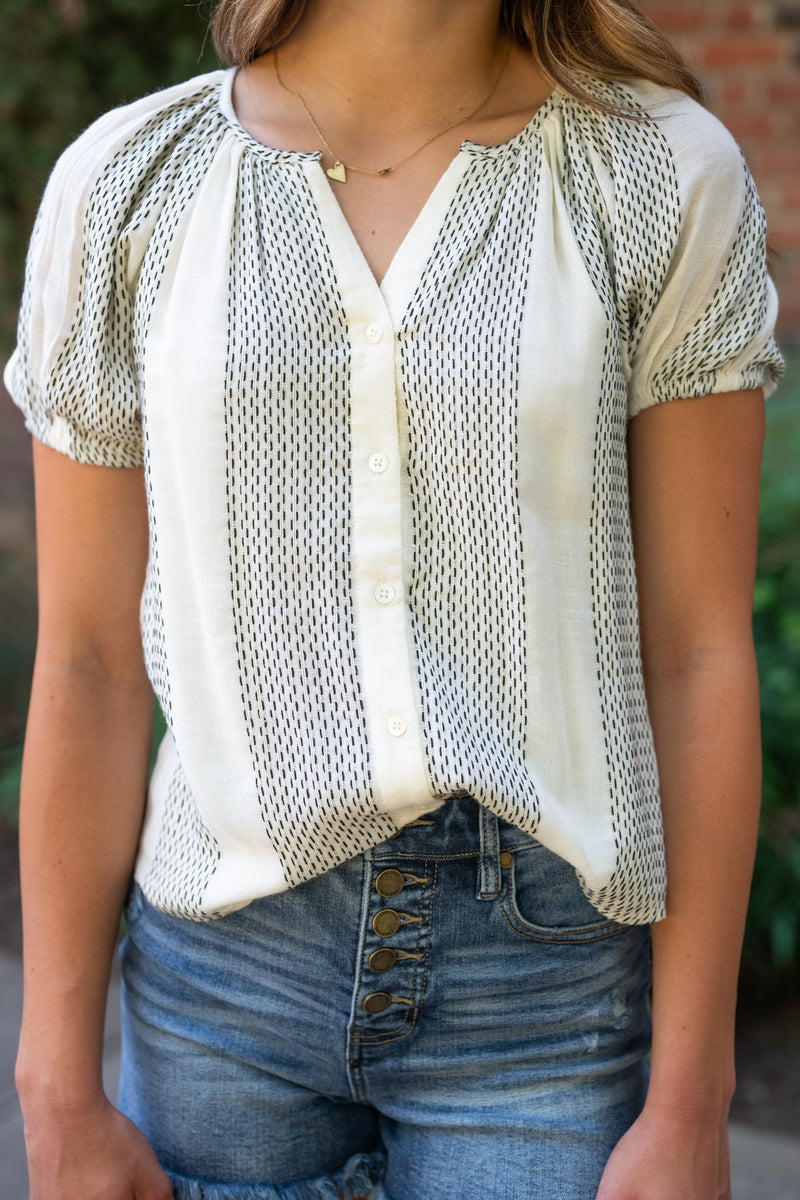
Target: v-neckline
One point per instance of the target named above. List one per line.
(357, 281)
(395, 290)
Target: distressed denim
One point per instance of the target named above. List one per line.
(445, 1017)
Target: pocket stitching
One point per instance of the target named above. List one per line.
(609, 928)
(597, 931)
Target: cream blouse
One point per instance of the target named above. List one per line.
(390, 545)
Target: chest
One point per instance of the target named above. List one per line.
(486, 325)
(380, 210)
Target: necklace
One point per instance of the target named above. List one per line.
(339, 170)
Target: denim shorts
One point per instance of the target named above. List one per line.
(445, 1017)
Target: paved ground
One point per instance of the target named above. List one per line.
(766, 1166)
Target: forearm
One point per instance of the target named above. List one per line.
(83, 790)
(706, 726)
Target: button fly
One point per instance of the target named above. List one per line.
(382, 960)
(377, 1002)
(386, 922)
(389, 882)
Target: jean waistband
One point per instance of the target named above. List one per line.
(460, 828)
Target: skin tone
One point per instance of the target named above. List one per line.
(417, 67)
(380, 78)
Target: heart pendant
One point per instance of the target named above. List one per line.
(337, 172)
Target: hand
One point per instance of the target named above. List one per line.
(670, 1156)
(95, 1154)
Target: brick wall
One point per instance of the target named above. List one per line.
(748, 57)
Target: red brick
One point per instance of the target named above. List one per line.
(743, 52)
(749, 125)
(676, 21)
(734, 91)
(785, 90)
(785, 245)
(741, 18)
(748, 54)
(774, 160)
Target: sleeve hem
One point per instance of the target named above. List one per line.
(766, 376)
(59, 434)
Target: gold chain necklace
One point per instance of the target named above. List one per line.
(339, 170)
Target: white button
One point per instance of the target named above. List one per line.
(374, 333)
(378, 463)
(396, 726)
(384, 593)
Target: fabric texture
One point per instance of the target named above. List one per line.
(353, 1182)
(390, 547)
(447, 1013)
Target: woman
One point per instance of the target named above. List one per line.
(402, 337)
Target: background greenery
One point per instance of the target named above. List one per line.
(67, 61)
(64, 62)
(773, 931)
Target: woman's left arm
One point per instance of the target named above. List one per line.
(694, 478)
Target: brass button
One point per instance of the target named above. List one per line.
(506, 858)
(386, 922)
(377, 1002)
(389, 883)
(382, 960)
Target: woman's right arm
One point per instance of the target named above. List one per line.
(83, 790)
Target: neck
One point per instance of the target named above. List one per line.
(410, 61)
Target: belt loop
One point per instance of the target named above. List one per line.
(489, 867)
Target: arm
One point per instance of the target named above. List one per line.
(695, 467)
(83, 789)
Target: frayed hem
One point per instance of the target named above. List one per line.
(357, 1180)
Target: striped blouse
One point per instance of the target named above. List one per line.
(390, 544)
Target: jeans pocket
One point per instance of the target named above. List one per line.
(543, 900)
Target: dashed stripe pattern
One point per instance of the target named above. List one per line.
(627, 253)
(187, 853)
(98, 384)
(168, 189)
(288, 432)
(287, 449)
(186, 856)
(719, 333)
(459, 359)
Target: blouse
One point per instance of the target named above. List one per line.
(390, 554)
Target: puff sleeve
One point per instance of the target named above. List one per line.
(710, 326)
(72, 372)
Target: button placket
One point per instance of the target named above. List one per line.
(390, 882)
(400, 956)
(398, 769)
(382, 960)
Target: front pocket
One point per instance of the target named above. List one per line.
(542, 899)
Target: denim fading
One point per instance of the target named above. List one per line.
(509, 1059)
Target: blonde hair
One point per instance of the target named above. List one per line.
(567, 38)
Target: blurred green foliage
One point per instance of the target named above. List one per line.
(64, 62)
(772, 943)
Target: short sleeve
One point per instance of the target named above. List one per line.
(72, 371)
(711, 326)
